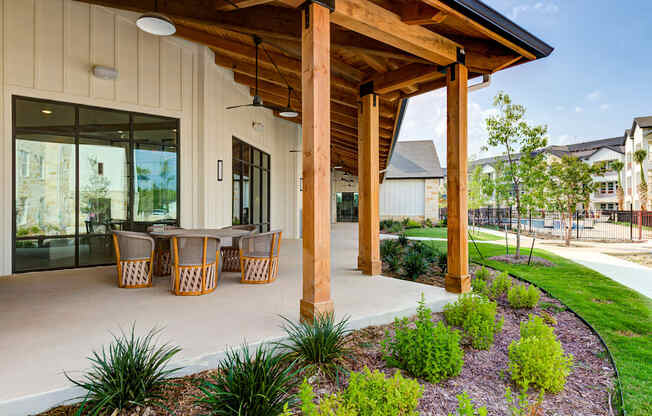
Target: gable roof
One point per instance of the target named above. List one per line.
(414, 159)
(642, 122)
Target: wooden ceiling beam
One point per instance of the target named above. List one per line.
(406, 76)
(376, 22)
(417, 13)
(242, 4)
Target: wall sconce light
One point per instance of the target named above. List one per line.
(258, 126)
(220, 170)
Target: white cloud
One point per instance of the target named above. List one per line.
(560, 108)
(593, 95)
(604, 107)
(578, 109)
(544, 7)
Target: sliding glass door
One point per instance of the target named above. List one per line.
(251, 179)
(81, 172)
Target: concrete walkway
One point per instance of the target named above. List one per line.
(596, 256)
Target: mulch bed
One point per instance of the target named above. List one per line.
(512, 259)
(484, 376)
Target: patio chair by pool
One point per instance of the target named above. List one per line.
(231, 253)
(195, 269)
(134, 254)
(259, 257)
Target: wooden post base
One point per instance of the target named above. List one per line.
(458, 284)
(308, 311)
(372, 268)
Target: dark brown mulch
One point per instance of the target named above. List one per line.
(432, 277)
(512, 259)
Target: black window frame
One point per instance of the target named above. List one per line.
(250, 165)
(130, 224)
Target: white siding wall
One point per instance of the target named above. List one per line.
(48, 48)
(402, 197)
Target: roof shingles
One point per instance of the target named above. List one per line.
(414, 159)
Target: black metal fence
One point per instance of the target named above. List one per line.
(600, 225)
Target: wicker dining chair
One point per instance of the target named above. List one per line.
(134, 257)
(162, 254)
(196, 261)
(231, 253)
(259, 257)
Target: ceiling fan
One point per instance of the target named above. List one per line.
(287, 111)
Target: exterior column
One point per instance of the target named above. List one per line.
(315, 80)
(368, 186)
(457, 278)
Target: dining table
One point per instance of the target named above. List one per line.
(163, 256)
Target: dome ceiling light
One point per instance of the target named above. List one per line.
(156, 23)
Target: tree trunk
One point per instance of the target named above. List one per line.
(518, 233)
(642, 194)
(569, 228)
(621, 198)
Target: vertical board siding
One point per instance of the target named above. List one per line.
(402, 197)
(148, 69)
(19, 56)
(102, 51)
(127, 65)
(49, 45)
(77, 61)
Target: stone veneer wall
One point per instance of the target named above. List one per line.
(432, 199)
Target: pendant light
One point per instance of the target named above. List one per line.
(156, 23)
(288, 112)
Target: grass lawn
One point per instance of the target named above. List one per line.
(623, 317)
(441, 232)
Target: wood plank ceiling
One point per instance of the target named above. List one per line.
(392, 64)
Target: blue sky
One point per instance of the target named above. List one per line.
(596, 80)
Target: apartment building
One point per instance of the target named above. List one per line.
(638, 137)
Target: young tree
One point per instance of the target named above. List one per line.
(476, 195)
(569, 183)
(618, 166)
(639, 157)
(520, 174)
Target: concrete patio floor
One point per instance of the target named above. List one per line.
(51, 321)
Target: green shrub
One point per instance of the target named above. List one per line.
(414, 265)
(429, 252)
(393, 263)
(396, 228)
(520, 296)
(428, 223)
(405, 221)
(479, 287)
(368, 394)
(403, 240)
(476, 315)
(442, 261)
(537, 358)
(465, 407)
(249, 384)
(411, 224)
(131, 371)
(482, 274)
(386, 224)
(520, 405)
(428, 351)
(500, 285)
(320, 344)
(389, 248)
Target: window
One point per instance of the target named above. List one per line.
(81, 172)
(251, 184)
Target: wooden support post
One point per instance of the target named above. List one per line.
(315, 67)
(457, 278)
(368, 186)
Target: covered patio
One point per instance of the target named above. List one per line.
(345, 68)
(53, 320)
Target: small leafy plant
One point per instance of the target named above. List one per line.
(429, 351)
(520, 296)
(479, 287)
(393, 263)
(500, 285)
(131, 371)
(316, 345)
(520, 405)
(246, 383)
(396, 228)
(429, 252)
(441, 260)
(476, 315)
(414, 265)
(482, 274)
(412, 224)
(537, 358)
(368, 394)
(403, 240)
(466, 408)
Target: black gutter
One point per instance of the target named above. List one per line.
(479, 12)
